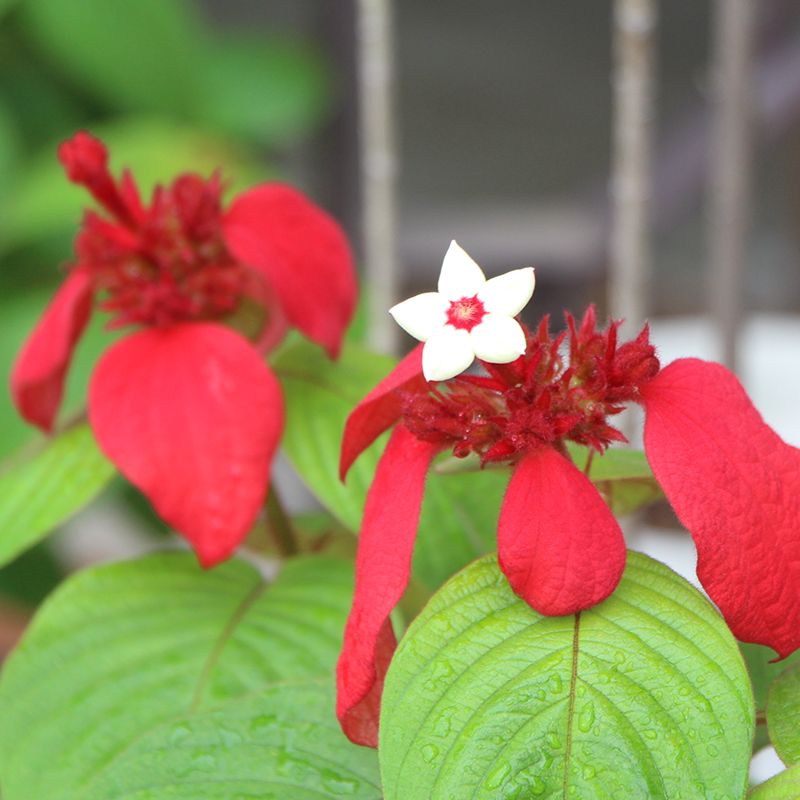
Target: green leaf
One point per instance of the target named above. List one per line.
(320, 394)
(282, 742)
(458, 523)
(139, 56)
(271, 91)
(783, 715)
(643, 696)
(623, 476)
(784, 786)
(763, 671)
(155, 679)
(459, 514)
(40, 490)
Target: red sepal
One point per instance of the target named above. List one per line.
(558, 543)
(735, 485)
(380, 409)
(37, 379)
(303, 254)
(383, 565)
(192, 416)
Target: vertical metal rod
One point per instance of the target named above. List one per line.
(734, 25)
(378, 167)
(630, 268)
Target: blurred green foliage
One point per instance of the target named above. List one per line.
(167, 91)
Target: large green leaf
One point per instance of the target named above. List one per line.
(155, 679)
(783, 715)
(41, 489)
(784, 786)
(139, 55)
(283, 742)
(273, 91)
(320, 394)
(763, 670)
(459, 514)
(643, 696)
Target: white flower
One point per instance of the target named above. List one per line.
(468, 317)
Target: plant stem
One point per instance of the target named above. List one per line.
(280, 526)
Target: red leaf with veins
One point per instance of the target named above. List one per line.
(385, 547)
(735, 485)
(558, 543)
(192, 416)
(37, 379)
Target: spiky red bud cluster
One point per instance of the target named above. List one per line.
(544, 398)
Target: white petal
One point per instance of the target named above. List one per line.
(498, 339)
(422, 314)
(508, 294)
(446, 354)
(460, 275)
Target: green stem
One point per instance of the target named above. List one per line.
(280, 525)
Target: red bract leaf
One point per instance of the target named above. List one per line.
(192, 416)
(558, 542)
(380, 409)
(735, 485)
(37, 379)
(302, 253)
(383, 565)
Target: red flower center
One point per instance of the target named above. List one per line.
(542, 399)
(154, 265)
(465, 313)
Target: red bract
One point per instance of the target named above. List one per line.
(185, 406)
(558, 543)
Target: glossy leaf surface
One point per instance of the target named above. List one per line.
(150, 677)
(642, 696)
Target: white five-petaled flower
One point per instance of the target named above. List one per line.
(468, 317)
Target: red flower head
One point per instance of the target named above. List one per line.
(185, 406)
(733, 482)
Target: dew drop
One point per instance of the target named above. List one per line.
(712, 750)
(429, 753)
(179, 733)
(586, 718)
(588, 772)
(555, 684)
(441, 727)
(620, 657)
(650, 734)
(537, 786)
(498, 776)
(338, 784)
(541, 694)
(262, 723)
(553, 740)
(230, 738)
(204, 761)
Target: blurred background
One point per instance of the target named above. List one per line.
(642, 156)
